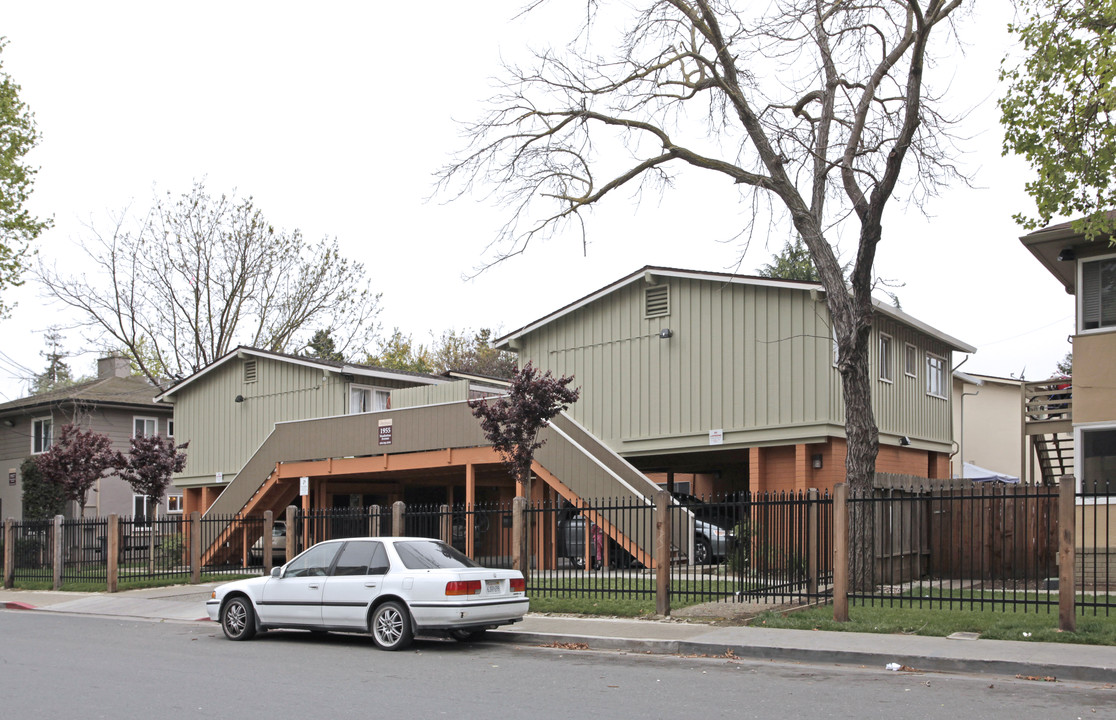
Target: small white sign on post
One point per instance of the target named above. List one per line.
(304, 486)
(716, 437)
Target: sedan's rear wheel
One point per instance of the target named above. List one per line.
(391, 626)
(238, 620)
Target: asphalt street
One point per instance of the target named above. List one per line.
(58, 665)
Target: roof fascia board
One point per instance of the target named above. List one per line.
(388, 375)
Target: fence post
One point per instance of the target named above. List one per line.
(841, 552)
(813, 541)
(292, 534)
(662, 553)
(112, 551)
(195, 547)
(520, 559)
(268, 540)
(374, 521)
(1067, 555)
(445, 524)
(56, 554)
(9, 553)
(398, 514)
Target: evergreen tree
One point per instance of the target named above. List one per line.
(57, 373)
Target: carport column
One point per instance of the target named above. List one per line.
(757, 469)
(445, 524)
(470, 507)
(1067, 553)
(519, 536)
(268, 540)
(398, 514)
(662, 553)
(56, 533)
(112, 549)
(195, 547)
(841, 552)
(292, 511)
(801, 467)
(9, 553)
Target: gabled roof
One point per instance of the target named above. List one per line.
(129, 391)
(355, 369)
(1048, 244)
(649, 272)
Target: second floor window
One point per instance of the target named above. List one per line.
(142, 427)
(1097, 294)
(366, 399)
(885, 358)
(42, 435)
(935, 376)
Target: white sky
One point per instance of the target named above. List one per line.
(334, 117)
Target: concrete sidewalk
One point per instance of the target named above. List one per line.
(1063, 661)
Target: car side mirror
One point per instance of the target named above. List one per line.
(277, 572)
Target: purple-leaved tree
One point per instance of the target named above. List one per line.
(512, 422)
(76, 461)
(149, 464)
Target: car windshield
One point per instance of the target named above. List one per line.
(431, 554)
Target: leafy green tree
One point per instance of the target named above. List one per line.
(1059, 108)
(1065, 365)
(57, 373)
(472, 353)
(18, 228)
(42, 500)
(399, 352)
(323, 347)
(792, 263)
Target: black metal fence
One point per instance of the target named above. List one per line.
(1095, 548)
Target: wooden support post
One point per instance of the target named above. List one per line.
(268, 540)
(841, 552)
(445, 524)
(662, 553)
(813, 542)
(292, 549)
(305, 522)
(9, 553)
(1067, 554)
(112, 550)
(398, 517)
(374, 521)
(56, 555)
(519, 536)
(195, 547)
(470, 508)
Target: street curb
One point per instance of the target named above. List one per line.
(10, 605)
(918, 663)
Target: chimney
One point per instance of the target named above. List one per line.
(113, 366)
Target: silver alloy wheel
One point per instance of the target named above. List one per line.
(391, 626)
(237, 621)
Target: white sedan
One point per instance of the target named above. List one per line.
(391, 587)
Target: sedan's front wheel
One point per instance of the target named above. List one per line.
(391, 626)
(237, 619)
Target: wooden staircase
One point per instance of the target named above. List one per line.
(1048, 427)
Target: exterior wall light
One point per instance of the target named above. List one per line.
(817, 461)
(666, 334)
(238, 398)
(1067, 255)
(904, 441)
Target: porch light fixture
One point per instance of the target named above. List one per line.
(1067, 255)
(817, 461)
(666, 334)
(904, 441)
(238, 398)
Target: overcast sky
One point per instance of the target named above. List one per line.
(334, 117)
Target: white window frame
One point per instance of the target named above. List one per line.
(372, 390)
(170, 428)
(910, 352)
(148, 516)
(885, 358)
(931, 372)
(174, 504)
(35, 434)
(1079, 442)
(153, 420)
(1080, 299)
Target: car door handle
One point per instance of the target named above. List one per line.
(312, 587)
(369, 584)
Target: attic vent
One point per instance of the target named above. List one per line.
(656, 301)
(249, 371)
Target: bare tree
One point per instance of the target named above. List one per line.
(201, 274)
(809, 106)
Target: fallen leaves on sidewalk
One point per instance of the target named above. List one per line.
(1037, 678)
(566, 646)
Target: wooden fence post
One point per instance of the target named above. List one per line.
(112, 551)
(291, 535)
(841, 552)
(445, 524)
(56, 554)
(195, 547)
(1067, 554)
(662, 552)
(813, 542)
(9, 553)
(398, 517)
(268, 540)
(520, 559)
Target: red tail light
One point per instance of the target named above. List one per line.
(463, 587)
(518, 585)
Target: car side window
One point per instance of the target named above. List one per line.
(355, 557)
(380, 563)
(313, 562)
